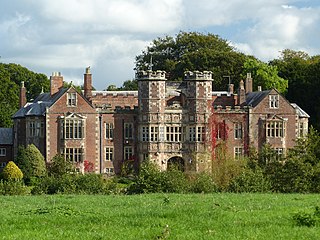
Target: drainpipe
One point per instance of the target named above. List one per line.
(101, 143)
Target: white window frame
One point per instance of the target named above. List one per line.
(128, 153)
(192, 134)
(3, 152)
(173, 133)
(275, 129)
(274, 101)
(109, 130)
(238, 152)
(237, 128)
(71, 99)
(144, 133)
(109, 170)
(74, 155)
(109, 154)
(73, 128)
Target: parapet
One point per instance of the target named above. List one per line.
(151, 75)
(198, 76)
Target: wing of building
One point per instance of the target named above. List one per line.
(166, 122)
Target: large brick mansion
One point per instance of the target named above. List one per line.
(166, 122)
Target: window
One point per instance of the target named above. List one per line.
(72, 129)
(238, 152)
(72, 99)
(109, 154)
(145, 134)
(36, 129)
(192, 134)
(145, 156)
(109, 171)
(161, 134)
(73, 154)
(153, 134)
(3, 152)
(173, 134)
(302, 132)
(128, 153)
(274, 101)
(201, 134)
(128, 130)
(279, 153)
(3, 164)
(109, 130)
(237, 130)
(275, 129)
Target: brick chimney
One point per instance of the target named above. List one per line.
(248, 83)
(87, 85)
(241, 94)
(56, 82)
(230, 88)
(23, 96)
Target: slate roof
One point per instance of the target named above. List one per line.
(39, 105)
(254, 98)
(299, 111)
(6, 136)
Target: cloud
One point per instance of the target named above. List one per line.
(68, 36)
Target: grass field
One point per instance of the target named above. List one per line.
(156, 216)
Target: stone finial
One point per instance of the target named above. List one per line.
(88, 70)
(151, 75)
(197, 75)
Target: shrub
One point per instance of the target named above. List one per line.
(250, 180)
(149, 179)
(12, 172)
(31, 162)
(59, 166)
(174, 181)
(202, 183)
(13, 187)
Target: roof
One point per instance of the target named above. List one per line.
(39, 105)
(299, 111)
(254, 98)
(6, 136)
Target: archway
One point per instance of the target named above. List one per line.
(176, 162)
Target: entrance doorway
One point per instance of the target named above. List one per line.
(176, 162)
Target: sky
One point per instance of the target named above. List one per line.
(69, 35)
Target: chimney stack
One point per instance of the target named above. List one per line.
(23, 96)
(87, 85)
(241, 93)
(230, 88)
(56, 82)
(248, 83)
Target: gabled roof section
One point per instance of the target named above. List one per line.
(6, 136)
(39, 105)
(254, 98)
(300, 112)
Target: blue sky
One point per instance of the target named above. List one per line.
(67, 36)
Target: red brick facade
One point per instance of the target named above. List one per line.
(162, 121)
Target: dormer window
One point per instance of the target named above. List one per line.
(72, 99)
(274, 101)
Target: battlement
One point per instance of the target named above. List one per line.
(198, 76)
(151, 75)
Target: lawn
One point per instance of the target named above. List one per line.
(156, 216)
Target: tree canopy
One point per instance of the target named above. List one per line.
(190, 51)
(11, 76)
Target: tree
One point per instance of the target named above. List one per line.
(191, 51)
(302, 72)
(59, 167)
(11, 76)
(128, 85)
(31, 162)
(12, 172)
(264, 75)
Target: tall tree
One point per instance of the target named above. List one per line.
(11, 76)
(190, 51)
(265, 75)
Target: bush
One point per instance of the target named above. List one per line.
(174, 181)
(13, 187)
(250, 180)
(59, 166)
(202, 183)
(12, 172)
(31, 162)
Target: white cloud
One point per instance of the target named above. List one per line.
(67, 36)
